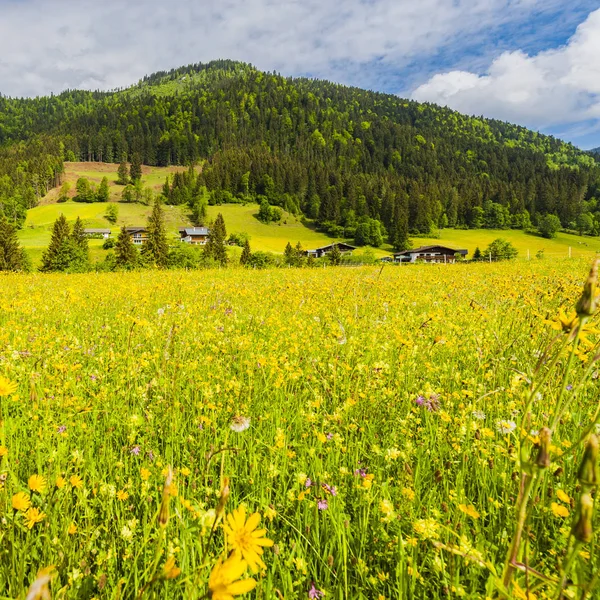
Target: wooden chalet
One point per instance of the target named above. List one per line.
(194, 235)
(323, 250)
(104, 233)
(138, 235)
(432, 254)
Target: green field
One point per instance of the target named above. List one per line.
(35, 236)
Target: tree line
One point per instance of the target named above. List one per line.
(342, 157)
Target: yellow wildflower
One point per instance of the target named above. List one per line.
(72, 529)
(224, 582)
(469, 510)
(563, 497)
(145, 474)
(122, 495)
(37, 483)
(245, 539)
(7, 387)
(3, 451)
(21, 501)
(76, 481)
(33, 516)
(559, 510)
(60, 482)
(170, 571)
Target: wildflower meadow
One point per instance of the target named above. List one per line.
(370, 433)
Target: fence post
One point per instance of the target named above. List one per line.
(569, 251)
(490, 257)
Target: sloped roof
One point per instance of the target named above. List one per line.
(340, 244)
(134, 229)
(429, 248)
(194, 231)
(96, 231)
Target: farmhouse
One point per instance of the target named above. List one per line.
(435, 253)
(194, 235)
(323, 250)
(104, 233)
(138, 235)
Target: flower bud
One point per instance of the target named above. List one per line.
(543, 457)
(163, 515)
(588, 471)
(223, 498)
(583, 529)
(587, 304)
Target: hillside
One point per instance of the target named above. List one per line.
(338, 155)
(36, 232)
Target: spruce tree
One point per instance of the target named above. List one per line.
(12, 256)
(80, 242)
(126, 255)
(477, 254)
(246, 254)
(401, 241)
(335, 256)
(59, 254)
(123, 173)
(215, 245)
(156, 249)
(135, 170)
(288, 254)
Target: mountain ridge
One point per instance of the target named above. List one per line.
(336, 154)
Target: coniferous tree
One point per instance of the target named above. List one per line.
(135, 170)
(12, 256)
(126, 255)
(335, 256)
(246, 254)
(123, 173)
(401, 241)
(215, 246)
(477, 254)
(78, 236)
(59, 254)
(156, 248)
(288, 254)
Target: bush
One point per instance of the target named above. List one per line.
(548, 226)
(500, 249)
(262, 260)
(238, 239)
(108, 244)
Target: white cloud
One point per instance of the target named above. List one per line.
(554, 87)
(49, 45)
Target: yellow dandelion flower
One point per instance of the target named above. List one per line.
(3, 451)
(122, 495)
(224, 582)
(469, 510)
(37, 483)
(72, 529)
(145, 474)
(60, 482)
(170, 570)
(245, 539)
(21, 501)
(76, 481)
(563, 496)
(7, 387)
(559, 510)
(33, 516)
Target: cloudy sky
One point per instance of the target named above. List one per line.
(533, 62)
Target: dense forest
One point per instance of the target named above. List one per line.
(342, 156)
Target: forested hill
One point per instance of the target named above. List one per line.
(336, 154)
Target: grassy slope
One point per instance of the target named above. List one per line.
(238, 218)
(470, 239)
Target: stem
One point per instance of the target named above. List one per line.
(567, 567)
(513, 553)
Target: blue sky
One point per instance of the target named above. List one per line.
(533, 62)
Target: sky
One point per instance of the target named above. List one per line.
(531, 62)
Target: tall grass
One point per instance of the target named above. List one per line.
(388, 445)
